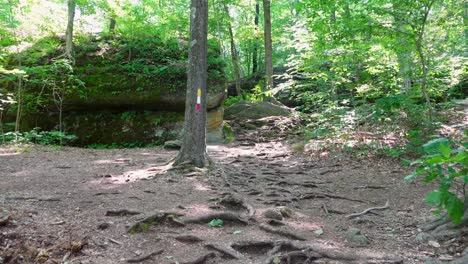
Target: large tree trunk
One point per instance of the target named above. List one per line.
(255, 47)
(193, 151)
(234, 56)
(69, 53)
(268, 46)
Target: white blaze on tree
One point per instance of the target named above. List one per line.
(193, 151)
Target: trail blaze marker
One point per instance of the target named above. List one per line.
(198, 107)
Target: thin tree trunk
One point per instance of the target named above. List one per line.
(404, 68)
(255, 47)
(234, 56)
(193, 149)
(19, 90)
(112, 23)
(268, 45)
(19, 101)
(69, 51)
(422, 59)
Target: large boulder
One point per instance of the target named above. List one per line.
(249, 110)
(151, 100)
(218, 131)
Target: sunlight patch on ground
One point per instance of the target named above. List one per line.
(201, 186)
(306, 226)
(117, 161)
(129, 176)
(9, 154)
(11, 151)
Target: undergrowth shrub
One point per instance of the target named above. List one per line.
(39, 137)
(447, 163)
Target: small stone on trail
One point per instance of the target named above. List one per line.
(433, 243)
(4, 217)
(424, 237)
(354, 236)
(272, 214)
(173, 144)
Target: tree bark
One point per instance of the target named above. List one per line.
(69, 51)
(112, 23)
(422, 58)
(193, 151)
(255, 46)
(268, 45)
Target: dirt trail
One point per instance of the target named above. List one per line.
(76, 206)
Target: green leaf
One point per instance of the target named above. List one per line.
(434, 198)
(438, 145)
(216, 223)
(452, 171)
(431, 176)
(434, 159)
(237, 232)
(318, 232)
(410, 177)
(416, 162)
(455, 208)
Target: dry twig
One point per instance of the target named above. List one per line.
(386, 206)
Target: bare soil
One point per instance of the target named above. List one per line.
(73, 205)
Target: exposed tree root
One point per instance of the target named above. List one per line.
(225, 216)
(188, 239)
(122, 212)
(282, 232)
(300, 252)
(293, 257)
(324, 195)
(226, 251)
(386, 206)
(152, 220)
(253, 247)
(232, 201)
(146, 257)
(444, 229)
(202, 259)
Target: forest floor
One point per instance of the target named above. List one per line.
(72, 205)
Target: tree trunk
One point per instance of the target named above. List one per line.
(422, 59)
(234, 56)
(193, 149)
(69, 52)
(19, 102)
(255, 47)
(112, 23)
(268, 46)
(404, 68)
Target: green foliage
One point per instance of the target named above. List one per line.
(216, 223)
(126, 145)
(448, 166)
(39, 137)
